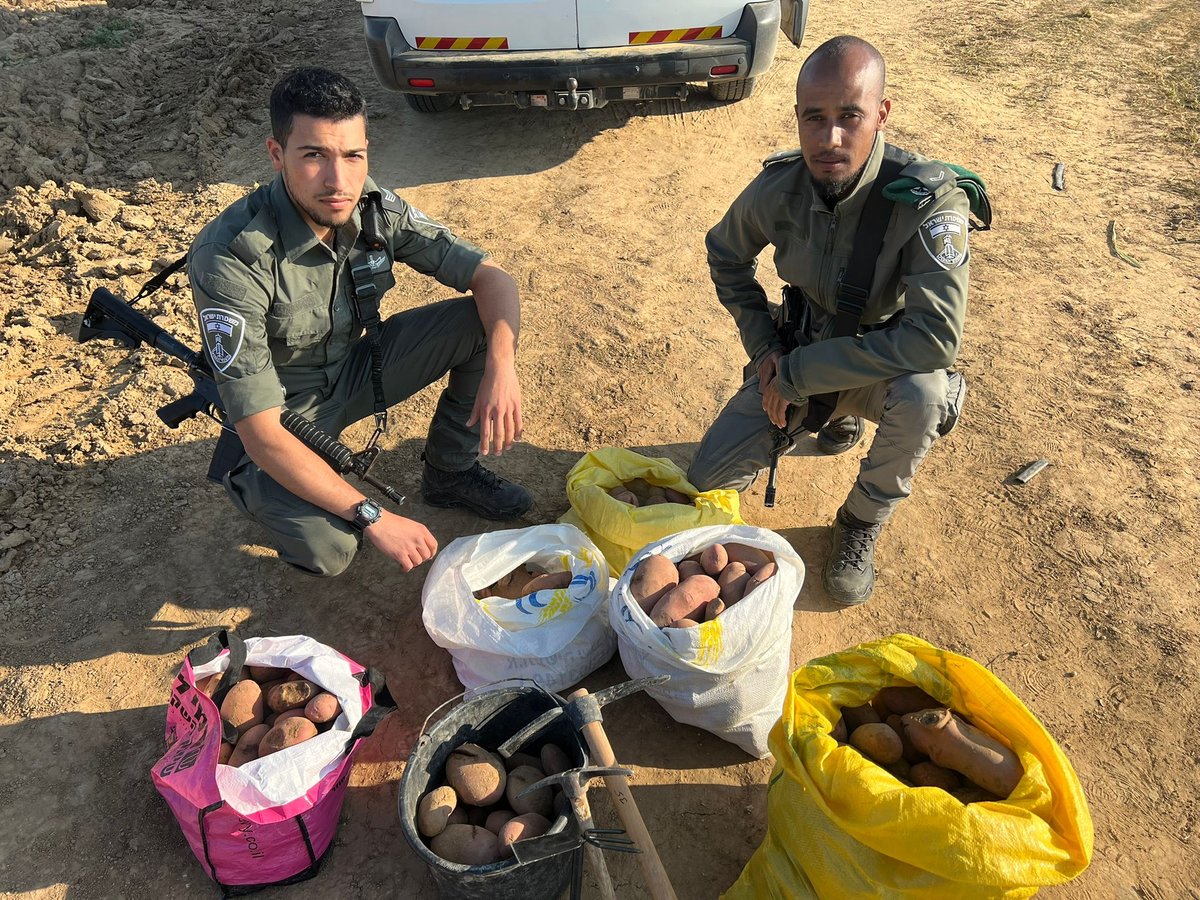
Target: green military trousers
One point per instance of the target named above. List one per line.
(912, 411)
(419, 347)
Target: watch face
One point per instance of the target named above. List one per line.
(368, 512)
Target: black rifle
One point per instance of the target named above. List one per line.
(108, 316)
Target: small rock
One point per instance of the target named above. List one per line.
(98, 205)
(140, 169)
(6, 243)
(136, 219)
(6, 561)
(14, 539)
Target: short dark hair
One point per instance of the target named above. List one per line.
(316, 92)
(836, 49)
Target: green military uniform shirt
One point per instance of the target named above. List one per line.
(922, 269)
(276, 303)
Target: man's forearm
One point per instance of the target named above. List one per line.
(499, 308)
(294, 466)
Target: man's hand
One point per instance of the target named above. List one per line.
(774, 404)
(498, 409)
(406, 541)
(768, 369)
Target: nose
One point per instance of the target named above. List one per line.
(335, 173)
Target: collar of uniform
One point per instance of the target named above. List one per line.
(295, 234)
(853, 202)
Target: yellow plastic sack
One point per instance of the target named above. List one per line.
(620, 530)
(839, 826)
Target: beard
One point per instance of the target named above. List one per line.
(835, 189)
(321, 216)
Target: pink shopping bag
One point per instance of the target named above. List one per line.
(271, 821)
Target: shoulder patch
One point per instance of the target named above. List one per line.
(783, 156)
(944, 236)
(920, 183)
(391, 202)
(223, 330)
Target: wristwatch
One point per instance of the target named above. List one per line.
(366, 513)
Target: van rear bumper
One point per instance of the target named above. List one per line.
(750, 48)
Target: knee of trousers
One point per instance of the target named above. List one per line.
(916, 403)
(324, 554)
(714, 473)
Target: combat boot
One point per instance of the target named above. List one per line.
(849, 575)
(482, 491)
(839, 435)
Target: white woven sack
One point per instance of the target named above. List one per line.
(280, 778)
(730, 675)
(566, 635)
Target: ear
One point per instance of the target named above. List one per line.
(885, 110)
(275, 151)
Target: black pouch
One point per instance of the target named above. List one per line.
(226, 456)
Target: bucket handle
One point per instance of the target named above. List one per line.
(472, 693)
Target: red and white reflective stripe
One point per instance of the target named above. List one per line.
(670, 36)
(462, 43)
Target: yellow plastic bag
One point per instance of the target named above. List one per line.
(840, 826)
(620, 530)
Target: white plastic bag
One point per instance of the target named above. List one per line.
(553, 637)
(283, 777)
(730, 675)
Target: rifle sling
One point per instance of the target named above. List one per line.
(854, 287)
(364, 264)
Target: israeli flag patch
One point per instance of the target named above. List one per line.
(944, 236)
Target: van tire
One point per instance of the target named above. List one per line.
(431, 103)
(738, 89)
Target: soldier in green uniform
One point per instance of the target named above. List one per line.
(891, 365)
(282, 320)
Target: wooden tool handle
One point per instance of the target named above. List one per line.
(618, 786)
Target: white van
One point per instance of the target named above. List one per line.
(572, 54)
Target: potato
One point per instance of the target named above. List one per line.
(878, 743)
(275, 718)
(496, 819)
(764, 573)
(512, 585)
(929, 774)
(540, 801)
(555, 759)
(713, 559)
(732, 581)
(713, 609)
(838, 733)
(208, 684)
(224, 754)
(901, 700)
(751, 557)
(955, 744)
(522, 759)
(640, 487)
(291, 694)
(549, 582)
(434, 810)
(459, 816)
(690, 567)
(247, 746)
(322, 708)
(911, 754)
(519, 828)
(285, 734)
(858, 715)
(674, 496)
(654, 577)
(476, 775)
(467, 845)
(655, 496)
(973, 793)
(263, 674)
(624, 495)
(684, 623)
(902, 770)
(687, 601)
(243, 706)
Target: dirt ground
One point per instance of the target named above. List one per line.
(124, 127)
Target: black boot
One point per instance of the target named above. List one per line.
(849, 575)
(477, 489)
(839, 435)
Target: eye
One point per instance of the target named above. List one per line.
(312, 154)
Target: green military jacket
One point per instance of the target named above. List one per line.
(276, 303)
(922, 269)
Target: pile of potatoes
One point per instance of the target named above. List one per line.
(524, 580)
(640, 492)
(702, 586)
(272, 709)
(924, 744)
(477, 815)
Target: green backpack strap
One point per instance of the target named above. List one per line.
(920, 183)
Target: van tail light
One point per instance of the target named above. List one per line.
(723, 70)
(420, 82)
